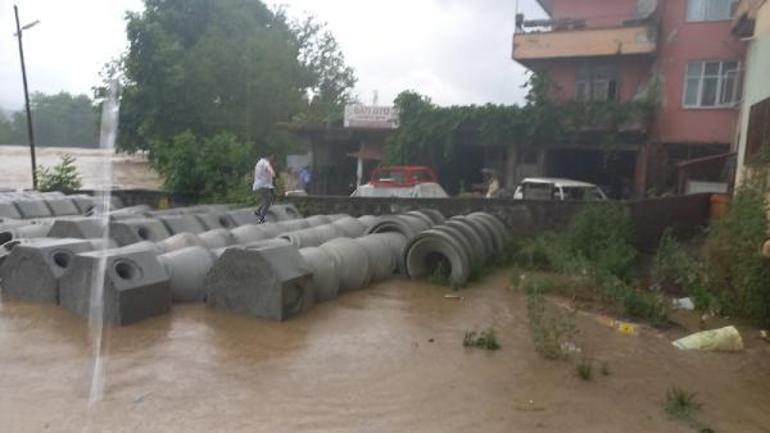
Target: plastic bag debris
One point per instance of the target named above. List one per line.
(683, 304)
(726, 339)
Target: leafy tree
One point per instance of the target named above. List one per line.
(58, 120)
(5, 129)
(63, 177)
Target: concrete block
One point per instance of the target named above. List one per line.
(78, 227)
(32, 270)
(178, 242)
(182, 224)
(32, 208)
(243, 216)
(218, 238)
(138, 229)
(136, 285)
(8, 210)
(271, 282)
(212, 220)
(61, 206)
(37, 230)
(84, 203)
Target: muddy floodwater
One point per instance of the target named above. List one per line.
(386, 359)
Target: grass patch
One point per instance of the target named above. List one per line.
(585, 369)
(681, 404)
(548, 327)
(483, 340)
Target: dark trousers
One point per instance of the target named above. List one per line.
(265, 201)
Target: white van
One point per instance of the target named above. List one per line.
(551, 188)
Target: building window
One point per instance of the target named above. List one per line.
(709, 10)
(712, 84)
(596, 83)
(758, 133)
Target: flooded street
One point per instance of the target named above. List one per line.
(386, 359)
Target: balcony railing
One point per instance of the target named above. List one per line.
(576, 41)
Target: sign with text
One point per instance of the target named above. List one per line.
(371, 117)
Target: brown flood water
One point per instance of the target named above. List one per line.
(386, 359)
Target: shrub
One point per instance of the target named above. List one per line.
(549, 329)
(601, 234)
(585, 369)
(484, 340)
(738, 276)
(63, 177)
(681, 404)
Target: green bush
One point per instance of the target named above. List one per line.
(63, 177)
(738, 275)
(602, 235)
(217, 169)
(484, 340)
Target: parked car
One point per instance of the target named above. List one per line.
(549, 188)
(401, 181)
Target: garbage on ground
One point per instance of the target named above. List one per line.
(570, 347)
(763, 335)
(455, 297)
(683, 304)
(726, 339)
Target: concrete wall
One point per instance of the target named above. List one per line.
(649, 217)
(597, 13)
(757, 81)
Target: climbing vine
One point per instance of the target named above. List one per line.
(430, 134)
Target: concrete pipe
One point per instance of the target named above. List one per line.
(78, 227)
(38, 230)
(217, 238)
(436, 216)
(352, 261)
(337, 216)
(182, 224)
(492, 231)
(479, 251)
(466, 244)
(368, 220)
(178, 242)
(187, 269)
(9, 223)
(302, 238)
(292, 225)
(408, 225)
(397, 244)
(482, 233)
(349, 227)
(214, 219)
(425, 218)
(327, 232)
(382, 260)
(326, 279)
(500, 228)
(250, 233)
(318, 220)
(437, 251)
(282, 212)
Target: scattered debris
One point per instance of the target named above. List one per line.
(454, 297)
(570, 347)
(726, 339)
(683, 304)
(763, 335)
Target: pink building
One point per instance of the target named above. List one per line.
(679, 52)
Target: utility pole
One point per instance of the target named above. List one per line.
(30, 133)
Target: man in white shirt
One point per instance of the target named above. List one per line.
(263, 185)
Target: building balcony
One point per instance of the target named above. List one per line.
(531, 47)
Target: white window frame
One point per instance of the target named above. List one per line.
(737, 75)
(702, 5)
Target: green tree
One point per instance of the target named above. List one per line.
(5, 129)
(60, 120)
(62, 177)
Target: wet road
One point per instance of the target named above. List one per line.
(363, 363)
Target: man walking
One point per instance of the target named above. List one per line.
(263, 184)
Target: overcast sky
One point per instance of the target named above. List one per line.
(455, 51)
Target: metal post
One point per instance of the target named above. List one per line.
(30, 134)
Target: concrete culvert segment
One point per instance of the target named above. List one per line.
(249, 233)
(218, 238)
(368, 220)
(349, 227)
(482, 234)
(464, 242)
(425, 218)
(327, 232)
(302, 238)
(325, 280)
(352, 261)
(179, 241)
(492, 231)
(78, 227)
(28, 231)
(317, 220)
(187, 269)
(477, 249)
(130, 231)
(501, 230)
(435, 215)
(382, 261)
(408, 225)
(434, 252)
